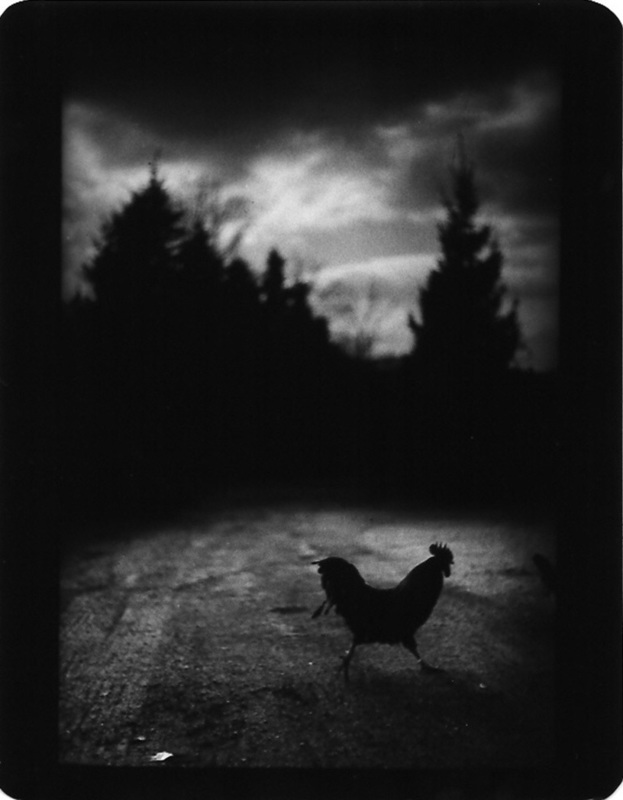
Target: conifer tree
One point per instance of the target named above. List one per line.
(462, 365)
(137, 249)
(467, 330)
(273, 281)
(133, 276)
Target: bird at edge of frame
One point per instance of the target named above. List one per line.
(384, 616)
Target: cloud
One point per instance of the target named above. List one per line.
(301, 188)
(302, 183)
(311, 186)
(519, 105)
(372, 300)
(362, 206)
(511, 133)
(390, 271)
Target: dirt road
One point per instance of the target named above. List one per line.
(192, 644)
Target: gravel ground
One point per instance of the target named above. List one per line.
(192, 644)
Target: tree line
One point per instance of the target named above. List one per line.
(185, 369)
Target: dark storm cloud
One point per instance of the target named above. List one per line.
(200, 73)
(212, 66)
(337, 122)
(511, 133)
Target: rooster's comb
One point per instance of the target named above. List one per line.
(442, 550)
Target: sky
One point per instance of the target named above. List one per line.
(336, 122)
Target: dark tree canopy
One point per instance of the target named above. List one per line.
(467, 331)
(186, 368)
(471, 422)
(185, 363)
(137, 248)
(273, 281)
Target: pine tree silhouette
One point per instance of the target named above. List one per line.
(273, 283)
(137, 249)
(466, 333)
(134, 278)
(297, 360)
(461, 369)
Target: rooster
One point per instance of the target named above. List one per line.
(386, 616)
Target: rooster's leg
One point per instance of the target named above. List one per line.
(411, 645)
(319, 610)
(346, 661)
